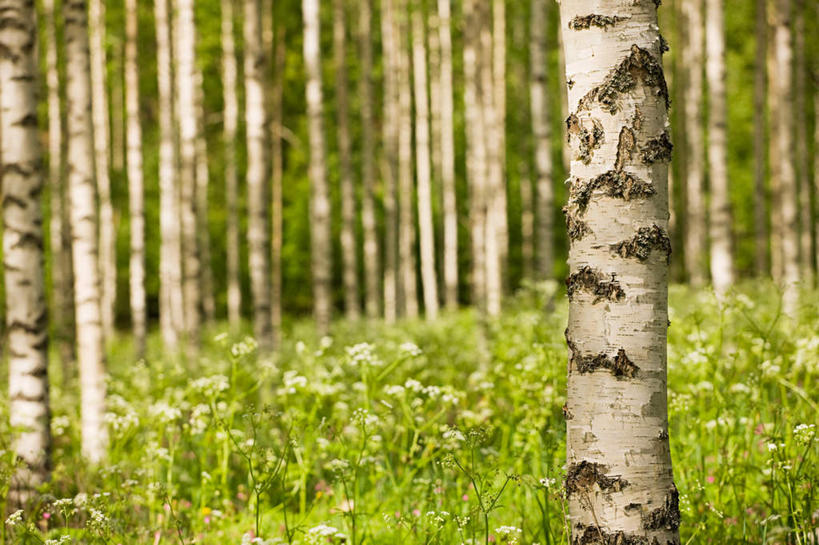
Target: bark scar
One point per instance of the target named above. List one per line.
(583, 475)
(643, 243)
(602, 286)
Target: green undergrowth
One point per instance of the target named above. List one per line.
(443, 433)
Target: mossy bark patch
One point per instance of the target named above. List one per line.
(582, 476)
(665, 517)
(602, 286)
(584, 22)
(647, 240)
(614, 183)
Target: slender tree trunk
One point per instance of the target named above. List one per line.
(527, 221)
(774, 158)
(406, 219)
(171, 315)
(722, 255)
(426, 229)
(99, 112)
(450, 210)
(476, 151)
(117, 106)
(202, 184)
(782, 89)
(349, 251)
(434, 70)
(26, 309)
(84, 229)
(801, 135)
(185, 74)
(760, 207)
(320, 198)
(618, 286)
(136, 198)
(541, 130)
(389, 162)
(258, 196)
(277, 92)
(564, 101)
(499, 100)
(230, 115)
(368, 220)
(62, 275)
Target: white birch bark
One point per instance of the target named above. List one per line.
(760, 125)
(136, 196)
(450, 211)
(21, 177)
(84, 231)
(320, 200)
(426, 229)
(171, 315)
(389, 161)
(499, 100)
(619, 482)
(99, 112)
(801, 136)
(202, 205)
(349, 251)
(720, 220)
(368, 219)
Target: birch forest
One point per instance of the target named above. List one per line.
(434, 272)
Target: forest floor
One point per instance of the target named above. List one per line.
(443, 433)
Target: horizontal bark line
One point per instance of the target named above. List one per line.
(583, 475)
(620, 365)
(643, 243)
(602, 286)
(617, 184)
(584, 22)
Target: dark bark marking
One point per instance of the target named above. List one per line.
(657, 149)
(615, 183)
(583, 22)
(640, 64)
(585, 534)
(665, 517)
(625, 147)
(589, 139)
(583, 475)
(602, 286)
(643, 243)
(576, 228)
(620, 365)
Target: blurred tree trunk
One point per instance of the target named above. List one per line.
(499, 101)
(62, 275)
(202, 184)
(84, 230)
(406, 219)
(349, 251)
(774, 158)
(434, 70)
(475, 150)
(368, 219)
(695, 241)
(230, 115)
(720, 221)
(816, 166)
(561, 80)
(426, 229)
(541, 130)
(450, 210)
(171, 317)
(618, 286)
(100, 117)
(185, 57)
(527, 221)
(24, 277)
(258, 195)
(801, 135)
(760, 124)
(320, 234)
(782, 90)
(136, 191)
(389, 162)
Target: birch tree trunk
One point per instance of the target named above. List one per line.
(527, 221)
(349, 252)
(389, 162)
(202, 183)
(760, 124)
(99, 112)
(450, 210)
(62, 275)
(619, 482)
(722, 255)
(816, 169)
(368, 219)
(230, 115)
(782, 89)
(406, 220)
(774, 158)
(136, 198)
(426, 229)
(801, 135)
(320, 199)
(277, 92)
(499, 100)
(258, 196)
(171, 315)
(185, 74)
(695, 239)
(541, 130)
(84, 231)
(26, 309)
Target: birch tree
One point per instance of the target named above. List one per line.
(319, 199)
(389, 161)
(202, 186)
(349, 251)
(760, 125)
(84, 229)
(801, 135)
(426, 229)
(617, 289)
(170, 259)
(719, 222)
(136, 197)
(21, 177)
(499, 101)
(100, 118)
(450, 210)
